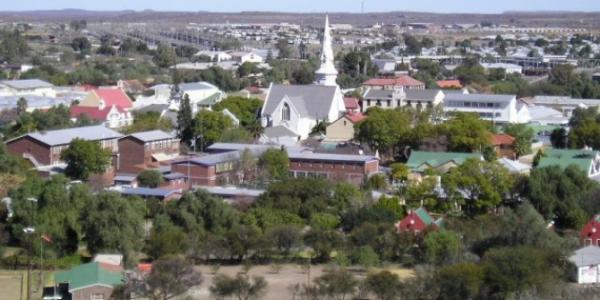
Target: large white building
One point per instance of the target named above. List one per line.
(202, 95)
(292, 111)
(24, 87)
(495, 108)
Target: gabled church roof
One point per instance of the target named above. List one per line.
(312, 101)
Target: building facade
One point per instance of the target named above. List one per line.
(149, 149)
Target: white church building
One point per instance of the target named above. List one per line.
(290, 112)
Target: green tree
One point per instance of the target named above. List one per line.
(21, 106)
(85, 158)
(523, 137)
(324, 221)
(285, 237)
(166, 239)
(461, 281)
(275, 163)
(150, 178)
(385, 285)
(242, 287)
(245, 109)
(146, 121)
(467, 132)
(13, 46)
(164, 56)
(336, 284)
(442, 247)
(209, 126)
(81, 44)
(285, 51)
(113, 223)
(478, 186)
(169, 278)
(185, 121)
(323, 242)
(383, 129)
(559, 138)
(365, 256)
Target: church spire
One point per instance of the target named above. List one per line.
(327, 74)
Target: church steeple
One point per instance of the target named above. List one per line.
(327, 74)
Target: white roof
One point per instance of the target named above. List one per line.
(26, 84)
(586, 256)
(112, 259)
(514, 166)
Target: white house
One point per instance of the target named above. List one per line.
(24, 87)
(399, 97)
(496, 108)
(296, 109)
(214, 55)
(586, 261)
(243, 57)
(202, 95)
(509, 68)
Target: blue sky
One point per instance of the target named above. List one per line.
(448, 6)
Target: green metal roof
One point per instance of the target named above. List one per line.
(563, 158)
(90, 274)
(424, 216)
(421, 160)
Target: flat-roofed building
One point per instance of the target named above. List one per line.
(148, 149)
(495, 108)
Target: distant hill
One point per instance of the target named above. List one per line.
(541, 18)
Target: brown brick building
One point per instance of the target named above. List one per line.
(149, 149)
(43, 149)
(337, 167)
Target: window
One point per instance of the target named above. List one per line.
(97, 296)
(588, 242)
(285, 112)
(345, 123)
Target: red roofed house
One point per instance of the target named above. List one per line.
(590, 234)
(417, 221)
(504, 145)
(106, 97)
(449, 84)
(404, 81)
(108, 105)
(351, 104)
(342, 129)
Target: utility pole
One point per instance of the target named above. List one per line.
(30, 231)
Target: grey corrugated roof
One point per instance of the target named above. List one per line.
(564, 100)
(479, 98)
(192, 86)
(153, 135)
(149, 192)
(159, 108)
(279, 131)
(312, 101)
(231, 191)
(330, 157)
(220, 147)
(423, 95)
(379, 94)
(586, 256)
(33, 101)
(26, 84)
(65, 136)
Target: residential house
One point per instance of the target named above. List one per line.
(399, 97)
(391, 83)
(495, 108)
(343, 128)
(420, 161)
(586, 263)
(449, 84)
(149, 149)
(93, 280)
(23, 87)
(107, 97)
(351, 104)
(299, 108)
(587, 161)
(514, 166)
(44, 148)
(110, 116)
(202, 95)
(244, 57)
(504, 145)
(590, 233)
(417, 221)
(565, 104)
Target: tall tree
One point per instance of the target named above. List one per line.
(209, 127)
(385, 285)
(242, 287)
(523, 137)
(85, 158)
(275, 163)
(185, 121)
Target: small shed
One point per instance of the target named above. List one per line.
(586, 261)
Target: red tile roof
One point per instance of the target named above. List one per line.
(355, 117)
(114, 96)
(402, 80)
(144, 268)
(502, 139)
(449, 84)
(92, 112)
(351, 103)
